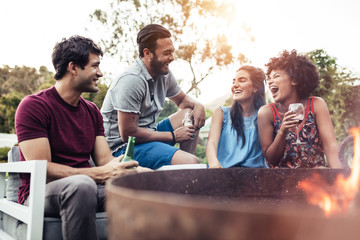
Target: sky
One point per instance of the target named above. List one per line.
(30, 29)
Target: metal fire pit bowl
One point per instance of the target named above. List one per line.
(222, 204)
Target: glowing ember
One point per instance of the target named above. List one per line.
(336, 198)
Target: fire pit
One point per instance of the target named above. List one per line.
(234, 203)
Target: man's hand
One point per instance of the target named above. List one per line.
(116, 168)
(184, 133)
(198, 114)
(184, 101)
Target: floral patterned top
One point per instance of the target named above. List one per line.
(308, 155)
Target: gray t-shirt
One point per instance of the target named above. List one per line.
(130, 92)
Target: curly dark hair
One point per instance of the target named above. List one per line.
(75, 49)
(300, 69)
(148, 36)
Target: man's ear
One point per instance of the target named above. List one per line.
(146, 52)
(72, 68)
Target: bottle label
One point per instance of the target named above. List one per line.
(187, 121)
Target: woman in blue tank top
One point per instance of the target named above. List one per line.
(233, 138)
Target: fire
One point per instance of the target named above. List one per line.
(335, 199)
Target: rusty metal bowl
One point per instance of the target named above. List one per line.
(236, 203)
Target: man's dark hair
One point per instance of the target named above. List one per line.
(300, 69)
(75, 49)
(148, 36)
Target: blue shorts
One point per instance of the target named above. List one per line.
(154, 154)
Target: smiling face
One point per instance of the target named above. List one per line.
(86, 80)
(281, 86)
(243, 88)
(162, 57)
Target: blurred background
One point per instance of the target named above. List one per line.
(212, 40)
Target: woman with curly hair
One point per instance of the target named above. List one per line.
(233, 137)
(291, 79)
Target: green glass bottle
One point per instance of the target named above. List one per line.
(129, 152)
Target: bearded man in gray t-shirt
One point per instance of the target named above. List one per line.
(136, 98)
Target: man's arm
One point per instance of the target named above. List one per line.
(198, 110)
(101, 153)
(39, 149)
(128, 126)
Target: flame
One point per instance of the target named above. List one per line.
(335, 199)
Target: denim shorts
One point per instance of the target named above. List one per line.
(154, 154)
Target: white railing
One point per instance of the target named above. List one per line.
(33, 215)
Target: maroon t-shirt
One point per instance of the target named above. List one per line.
(71, 130)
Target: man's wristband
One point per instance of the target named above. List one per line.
(173, 135)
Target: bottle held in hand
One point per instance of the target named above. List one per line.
(129, 152)
(187, 120)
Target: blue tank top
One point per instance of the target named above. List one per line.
(230, 153)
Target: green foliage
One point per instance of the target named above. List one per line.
(169, 108)
(200, 153)
(208, 113)
(15, 84)
(8, 106)
(191, 23)
(97, 97)
(48, 78)
(3, 153)
(20, 79)
(338, 90)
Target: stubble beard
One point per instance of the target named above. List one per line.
(88, 87)
(156, 66)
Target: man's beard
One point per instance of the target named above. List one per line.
(88, 87)
(156, 66)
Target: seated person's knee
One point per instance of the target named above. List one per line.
(83, 185)
(194, 159)
(181, 157)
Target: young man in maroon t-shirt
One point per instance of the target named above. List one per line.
(58, 125)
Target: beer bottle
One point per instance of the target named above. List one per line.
(187, 120)
(129, 152)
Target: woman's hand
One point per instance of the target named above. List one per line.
(288, 122)
(215, 164)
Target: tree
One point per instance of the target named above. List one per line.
(48, 78)
(8, 105)
(337, 88)
(18, 82)
(191, 22)
(168, 109)
(21, 79)
(98, 97)
(15, 84)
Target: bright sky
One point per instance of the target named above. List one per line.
(30, 28)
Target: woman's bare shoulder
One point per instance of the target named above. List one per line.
(264, 111)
